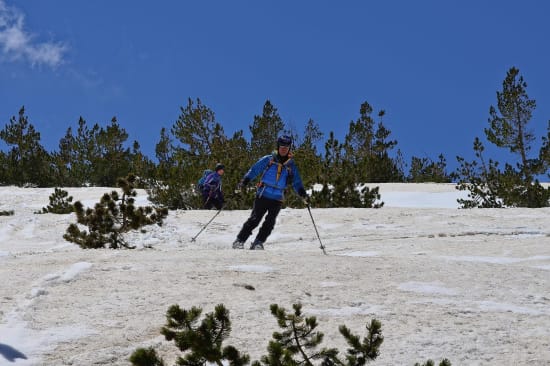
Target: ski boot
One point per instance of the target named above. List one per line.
(237, 244)
(257, 245)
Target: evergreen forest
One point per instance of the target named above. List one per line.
(335, 172)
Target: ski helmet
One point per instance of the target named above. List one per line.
(284, 140)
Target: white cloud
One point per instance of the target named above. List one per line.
(16, 43)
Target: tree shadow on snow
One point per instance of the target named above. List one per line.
(10, 353)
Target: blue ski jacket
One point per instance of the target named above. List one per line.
(275, 177)
(213, 187)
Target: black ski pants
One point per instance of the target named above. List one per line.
(212, 202)
(261, 206)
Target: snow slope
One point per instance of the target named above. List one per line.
(469, 285)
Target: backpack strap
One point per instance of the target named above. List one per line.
(287, 165)
(209, 178)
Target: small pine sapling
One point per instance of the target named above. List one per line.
(146, 357)
(296, 345)
(60, 203)
(368, 350)
(202, 342)
(113, 216)
(444, 362)
(298, 341)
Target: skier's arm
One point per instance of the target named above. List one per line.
(297, 183)
(256, 169)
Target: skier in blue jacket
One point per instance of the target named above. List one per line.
(276, 171)
(212, 194)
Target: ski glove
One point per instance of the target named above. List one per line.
(242, 184)
(302, 192)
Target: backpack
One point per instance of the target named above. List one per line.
(205, 174)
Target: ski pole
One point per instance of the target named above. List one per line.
(315, 226)
(204, 227)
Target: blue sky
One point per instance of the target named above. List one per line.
(433, 66)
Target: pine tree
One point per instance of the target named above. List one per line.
(340, 181)
(203, 342)
(27, 162)
(141, 166)
(426, 170)
(544, 153)
(202, 138)
(113, 216)
(77, 155)
(4, 179)
(508, 129)
(167, 186)
(444, 362)
(164, 152)
(146, 357)
(62, 162)
(481, 179)
(367, 148)
(513, 186)
(237, 164)
(196, 142)
(114, 159)
(87, 152)
(331, 171)
(306, 156)
(60, 203)
(264, 130)
(358, 143)
(297, 344)
(384, 168)
(508, 126)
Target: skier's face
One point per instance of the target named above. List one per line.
(283, 150)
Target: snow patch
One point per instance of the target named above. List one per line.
(360, 254)
(545, 266)
(75, 269)
(346, 311)
(252, 268)
(494, 260)
(429, 200)
(36, 292)
(503, 307)
(329, 284)
(426, 288)
(26, 345)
